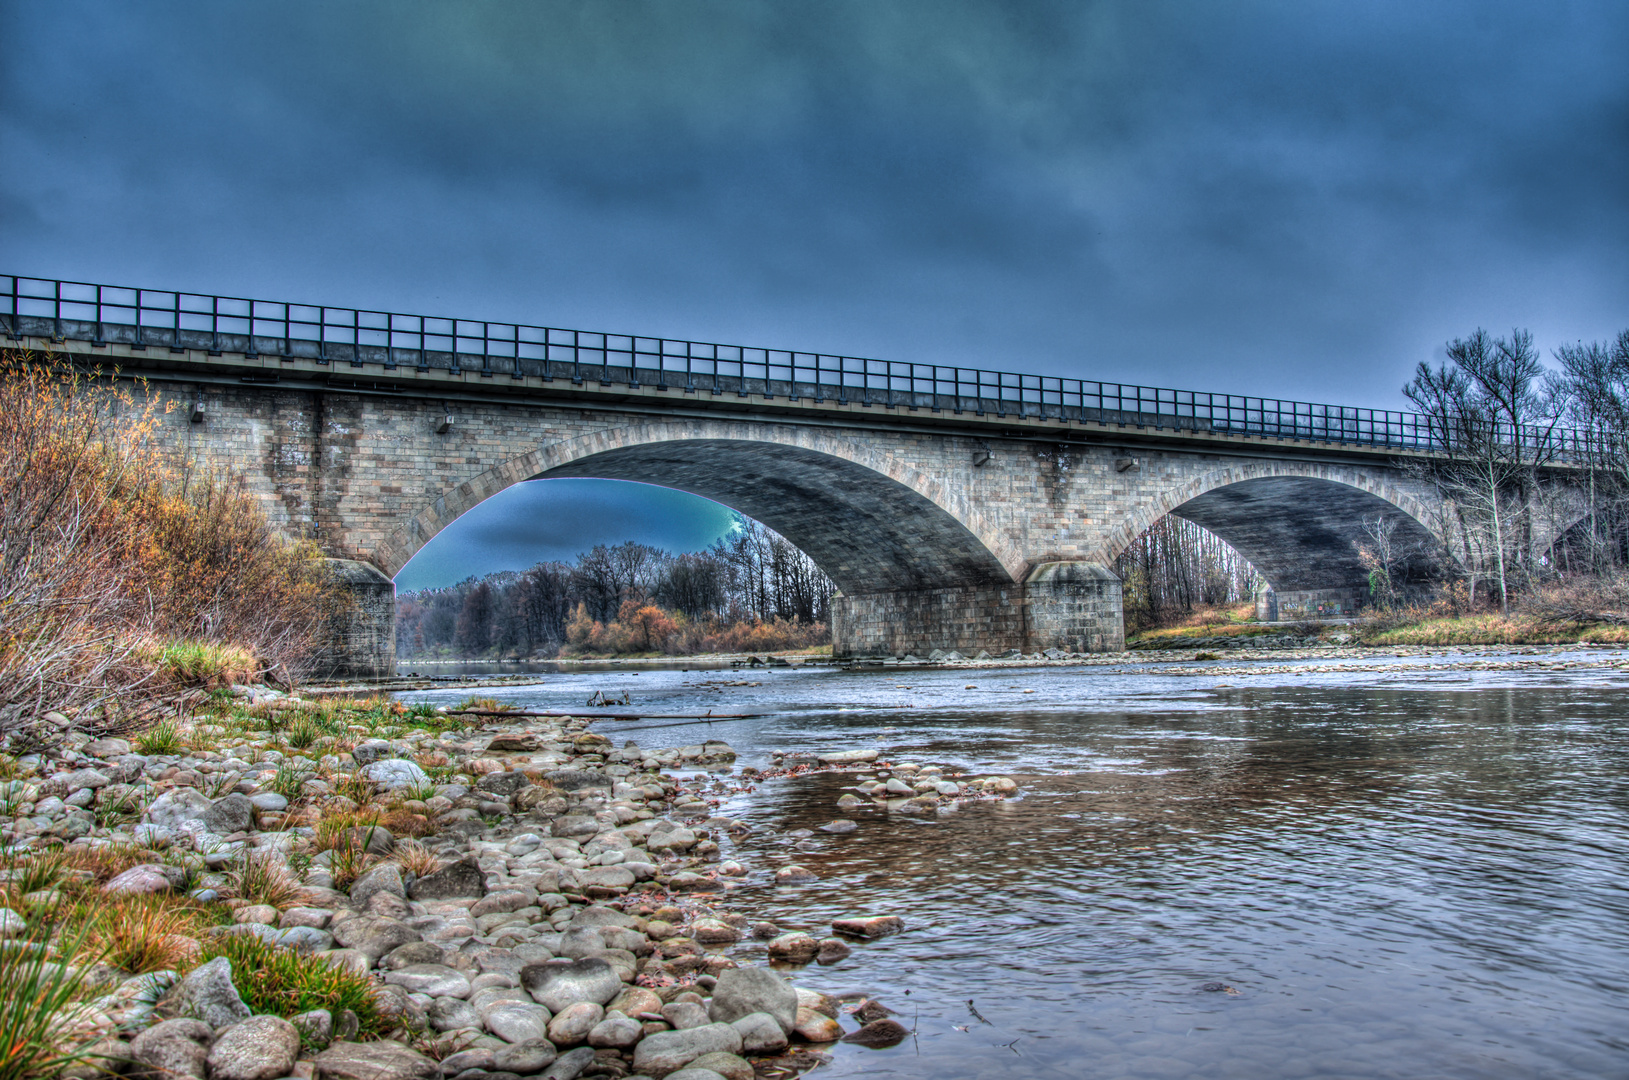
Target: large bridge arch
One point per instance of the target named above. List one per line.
(1295, 521)
(871, 522)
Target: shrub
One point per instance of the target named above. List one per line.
(126, 575)
(281, 982)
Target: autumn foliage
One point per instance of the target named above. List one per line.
(112, 554)
(642, 627)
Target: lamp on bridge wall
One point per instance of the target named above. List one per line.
(981, 456)
(445, 424)
(197, 414)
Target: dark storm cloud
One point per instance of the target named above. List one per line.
(1296, 199)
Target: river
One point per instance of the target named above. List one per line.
(1298, 874)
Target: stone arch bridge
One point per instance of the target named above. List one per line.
(953, 508)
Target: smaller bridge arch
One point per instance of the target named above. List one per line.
(1296, 522)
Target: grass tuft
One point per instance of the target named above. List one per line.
(35, 995)
(203, 664)
(163, 737)
(261, 878)
(282, 982)
(289, 781)
(415, 858)
(139, 935)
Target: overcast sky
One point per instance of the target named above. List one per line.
(1294, 199)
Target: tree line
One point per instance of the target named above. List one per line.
(751, 591)
(1530, 464)
(1532, 468)
(1176, 566)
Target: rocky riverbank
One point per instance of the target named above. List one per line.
(519, 899)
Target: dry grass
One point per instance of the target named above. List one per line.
(483, 704)
(262, 878)
(415, 858)
(145, 934)
(1494, 629)
(104, 862)
(403, 822)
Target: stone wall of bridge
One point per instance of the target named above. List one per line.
(936, 540)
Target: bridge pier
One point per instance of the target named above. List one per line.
(362, 629)
(1074, 606)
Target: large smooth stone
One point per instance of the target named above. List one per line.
(374, 935)
(459, 879)
(514, 1022)
(870, 926)
(374, 1061)
(147, 879)
(525, 1058)
(559, 986)
(207, 994)
(259, 1048)
(434, 980)
(234, 813)
(171, 1050)
(667, 1051)
(571, 1026)
(760, 1034)
(747, 990)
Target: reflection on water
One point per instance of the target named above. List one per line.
(1390, 882)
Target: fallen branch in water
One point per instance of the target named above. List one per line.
(608, 716)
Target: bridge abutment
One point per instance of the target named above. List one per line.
(1074, 606)
(362, 629)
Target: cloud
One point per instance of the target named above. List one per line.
(544, 520)
(1295, 200)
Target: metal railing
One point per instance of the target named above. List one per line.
(143, 319)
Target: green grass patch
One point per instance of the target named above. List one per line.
(281, 982)
(163, 737)
(200, 663)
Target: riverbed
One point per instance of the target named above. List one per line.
(1271, 871)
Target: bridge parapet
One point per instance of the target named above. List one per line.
(399, 348)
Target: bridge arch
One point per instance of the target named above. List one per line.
(870, 522)
(1295, 521)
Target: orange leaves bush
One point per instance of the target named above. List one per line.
(107, 547)
(643, 627)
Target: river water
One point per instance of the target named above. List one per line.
(1395, 874)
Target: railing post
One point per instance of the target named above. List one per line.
(175, 330)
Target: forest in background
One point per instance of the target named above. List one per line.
(752, 591)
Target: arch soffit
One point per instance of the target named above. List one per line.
(406, 541)
(1173, 498)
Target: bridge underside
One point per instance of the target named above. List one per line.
(912, 578)
(867, 532)
(1301, 532)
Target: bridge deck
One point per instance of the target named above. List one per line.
(177, 335)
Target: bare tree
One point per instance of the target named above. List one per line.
(1594, 383)
(1491, 422)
